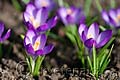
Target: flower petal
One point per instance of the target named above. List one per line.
(1, 28)
(6, 36)
(31, 34)
(103, 38)
(82, 28)
(52, 22)
(43, 27)
(45, 51)
(105, 16)
(41, 16)
(93, 31)
(43, 41)
(90, 42)
(62, 13)
(30, 49)
(48, 49)
(30, 9)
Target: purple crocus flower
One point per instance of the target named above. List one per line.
(35, 44)
(48, 4)
(112, 17)
(71, 15)
(36, 19)
(92, 36)
(5, 36)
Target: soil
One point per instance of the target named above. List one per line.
(61, 64)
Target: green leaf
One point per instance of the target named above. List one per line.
(38, 63)
(87, 6)
(17, 5)
(26, 1)
(94, 60)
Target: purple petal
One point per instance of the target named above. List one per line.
(42, 16)
(62, 13)
(113, 14)
(93, 31)
(7, 35)
(26, 16)
(30, 8)
(42, 3)
(43, 27)
(48, 49)
(39, 52)
(90, 42)
(43, 41)
(30, 34)
(82, 28)
(70, 19)
(30, 49)
(83, 32)
(1, 28)
(45, 51)
(105, 16)
(103, 38)
(52, 22)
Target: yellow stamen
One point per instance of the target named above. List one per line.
(36, 45)
(44, 3)
(69, 11)
(89, 36)
(35, 23)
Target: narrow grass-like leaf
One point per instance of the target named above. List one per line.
(87, 6)
(38, 63)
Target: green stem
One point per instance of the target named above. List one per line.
(94, 60)
(112, 3)
(99, 7)
(37, 66)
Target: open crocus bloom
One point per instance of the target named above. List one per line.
(35, 44)
(92, 36)
(49, 4)
(37, 18)
(5, 36)
(112, 17)
(71, 15)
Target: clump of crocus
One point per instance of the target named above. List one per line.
(92, 36)
(71, 15)
(5, 36)
(92, 39)
(35, 46)
(48, 4)
(112, 17)
(37, 19)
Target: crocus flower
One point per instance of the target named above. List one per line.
(6, 35)
(35, 44)
(37, 18)
(71, 15)
(112, 17)
(92, 36)
(48, 4)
